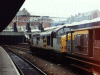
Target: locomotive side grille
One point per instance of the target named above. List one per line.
(63, 43)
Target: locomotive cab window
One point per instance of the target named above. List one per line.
(60, 32)
(66, 29)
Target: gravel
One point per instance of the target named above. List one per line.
(48, 67)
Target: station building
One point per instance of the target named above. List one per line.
(22, 18)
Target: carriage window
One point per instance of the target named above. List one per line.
(97, 34)
(48, 40)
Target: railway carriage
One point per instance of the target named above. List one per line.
(84, 42)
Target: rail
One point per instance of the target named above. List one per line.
(24, 66)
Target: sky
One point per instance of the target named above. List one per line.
(60, 8)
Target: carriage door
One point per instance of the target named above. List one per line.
(96, 47)
(91, 43)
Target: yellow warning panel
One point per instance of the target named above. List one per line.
(63, 43)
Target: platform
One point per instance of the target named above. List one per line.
(7, 66)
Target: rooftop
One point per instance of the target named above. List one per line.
(23, 12)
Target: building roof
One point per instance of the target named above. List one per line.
(23, 12)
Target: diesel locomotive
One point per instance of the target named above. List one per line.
(49, 40)
(80, 39)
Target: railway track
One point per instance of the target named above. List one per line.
(23, 65)
(81, 64)
(12, 47)
(24, 48)
(91, 67)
